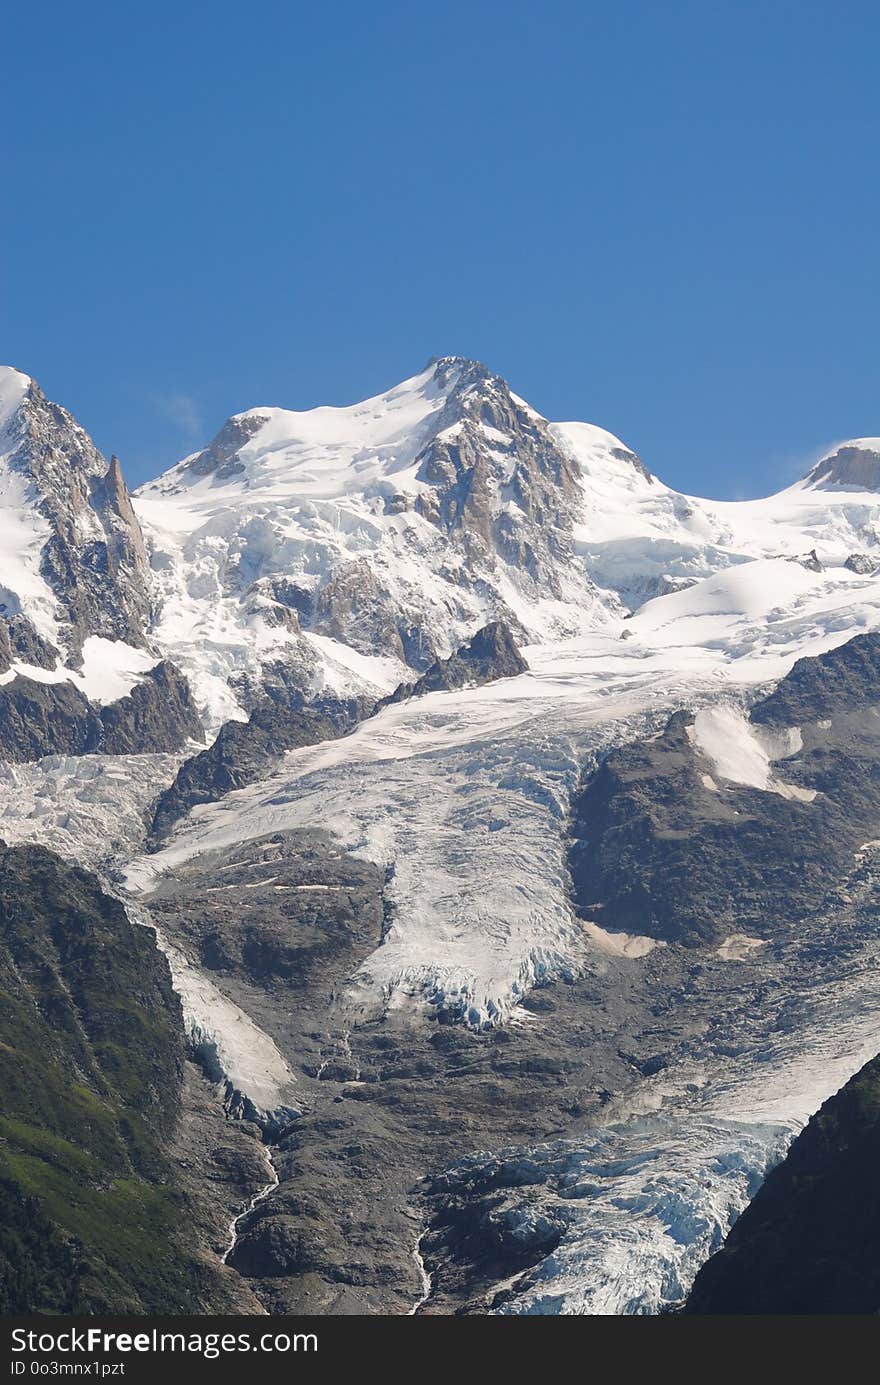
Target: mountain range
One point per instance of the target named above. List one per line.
(480, 835)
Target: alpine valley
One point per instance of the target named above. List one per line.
(440, 869)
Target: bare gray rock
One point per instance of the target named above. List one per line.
(852, 466)
(94, 558)
(38, 719)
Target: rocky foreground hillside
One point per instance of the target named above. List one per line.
(93, 1051)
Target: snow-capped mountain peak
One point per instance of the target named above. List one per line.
(331, 452)
(322, 453)
(343, 548)
(391, 530)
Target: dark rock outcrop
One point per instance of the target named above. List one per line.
(38, 719)
(159, 714)
(809, 1241)
(862, 564)
(843, 679)
(243, 751)
(19, 640)
(662, 848)
(811, 561)
(317, 903)
(220, 458)
(490, 654)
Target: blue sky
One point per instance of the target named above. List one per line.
(662, 218)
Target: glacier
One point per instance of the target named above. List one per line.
(339, 550)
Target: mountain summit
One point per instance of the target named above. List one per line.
(344, 550)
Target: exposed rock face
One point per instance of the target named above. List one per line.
(490, 654)
(664, 845)
(316, 902)
(492, 1221)
(219, 459)
(94, 557)
(243, 751)
(353, 608)
(515, 491)
(19, 641)
(157, 715)
(811, 561)
(855, 465)
(808, 1242)
(38, 719)
(281, 923)
(845, 679)
(861, 563)
(645, 589)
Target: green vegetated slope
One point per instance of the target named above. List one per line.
(91, 1046)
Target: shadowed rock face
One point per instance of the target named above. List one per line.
(809, 1242)
(862, 564)
(159, 714)
(98, 1209)
(662, 846)
(38, 719)
(244, 751)
(489, 655)
(20, 641)
(843, 679)
(92, 1042)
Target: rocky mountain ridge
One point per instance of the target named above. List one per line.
(340, 551)
(807, 1242)
(38, 719)
(517, 970)
(91, 572)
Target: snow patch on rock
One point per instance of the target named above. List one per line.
(742, 753)
(738, 946)
(620, 944)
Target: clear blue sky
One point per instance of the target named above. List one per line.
(659, 217)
